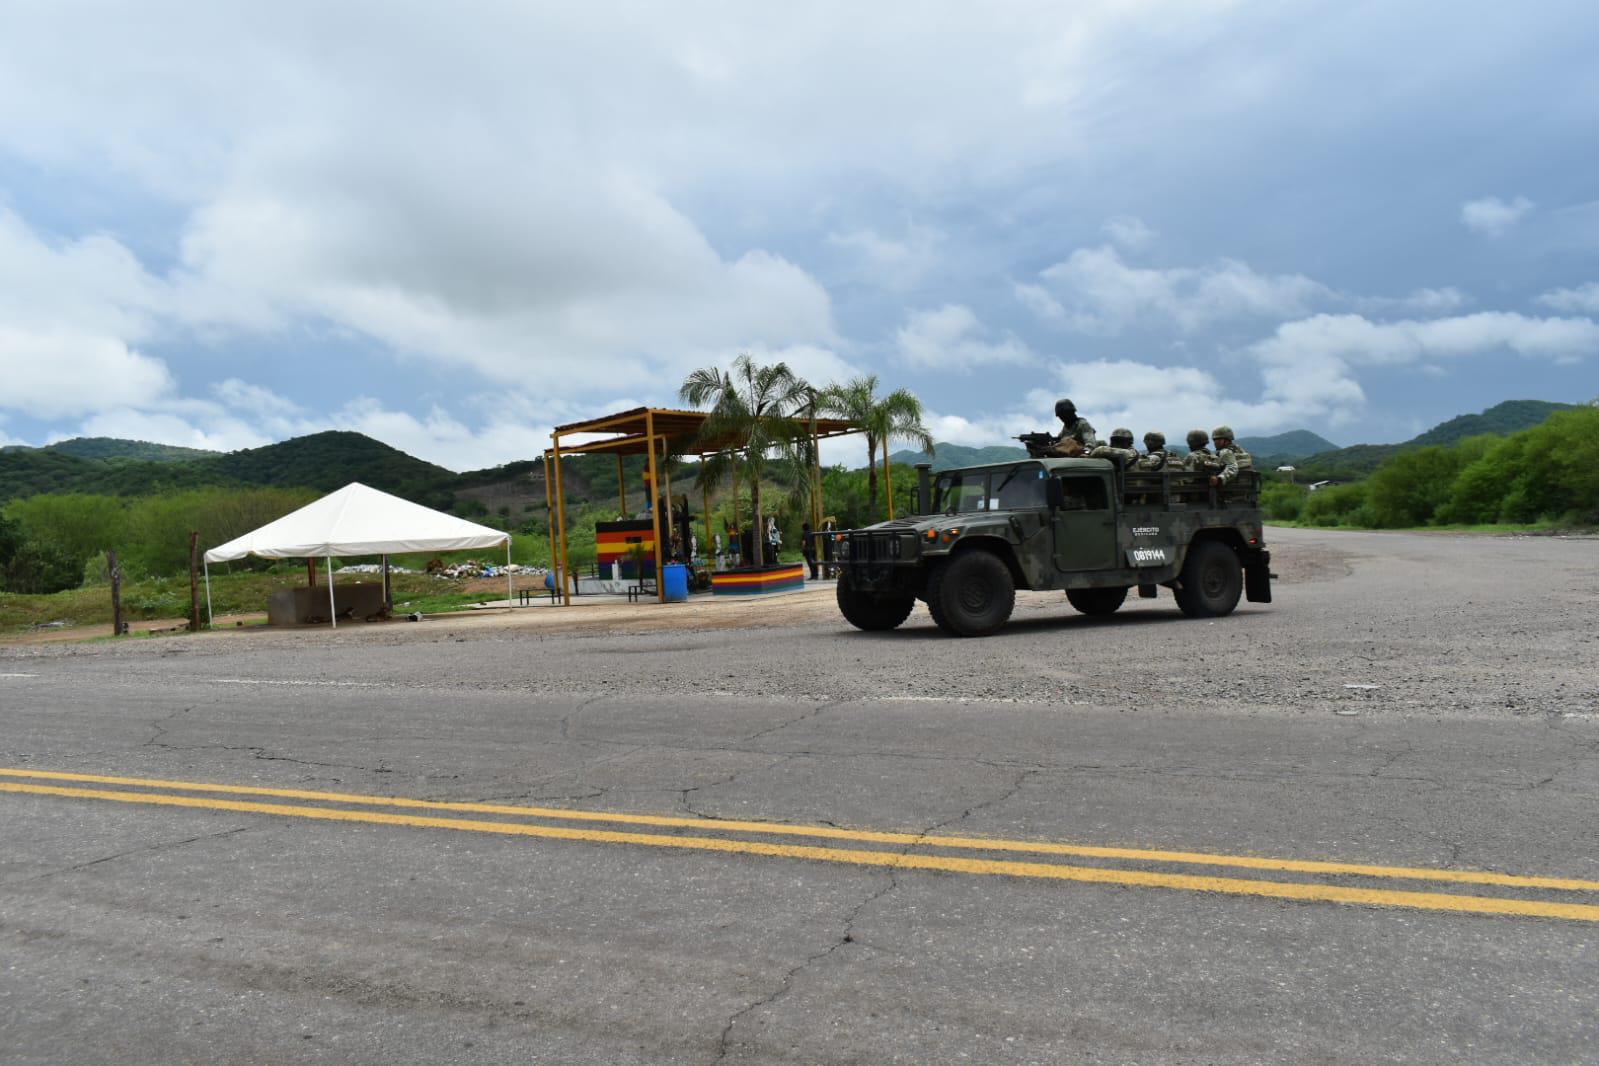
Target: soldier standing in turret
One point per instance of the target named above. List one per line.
(1229, 456)
(1076, 436)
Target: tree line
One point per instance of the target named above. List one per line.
(1548, 474)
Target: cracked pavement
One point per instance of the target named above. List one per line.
(1470, 740)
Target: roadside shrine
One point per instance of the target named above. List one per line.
(641, 548)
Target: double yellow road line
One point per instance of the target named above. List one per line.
(918, 851)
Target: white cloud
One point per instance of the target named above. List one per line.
(70, 314)
(1420, 302)
(1095, 290)
(1128, 231)
(1582, 298)
(1493, 217)
(952, 338)
(889, 263)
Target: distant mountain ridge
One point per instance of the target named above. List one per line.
(329, 460)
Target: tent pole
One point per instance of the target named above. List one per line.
(333, 611)
(507, 573)
(210, 618)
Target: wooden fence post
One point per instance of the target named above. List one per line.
(115, 573)
(194, 581)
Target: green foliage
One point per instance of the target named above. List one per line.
(1408, 489)
(1283, 501)
(1337, 505)
(157, 527)
(39, 567)
(77, 525)
(1545, 473)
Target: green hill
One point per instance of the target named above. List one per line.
(333, 459)
(1295, 444)
(1359, 460)
(116, 448)
(951, 455)
(1503, 418)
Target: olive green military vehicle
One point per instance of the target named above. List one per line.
(1079, 525)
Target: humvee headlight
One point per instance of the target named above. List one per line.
(951, 534)
(931, 534)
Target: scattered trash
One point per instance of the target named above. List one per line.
(414, 616)
(1363, 688)
(1346, 712)
(48, 625)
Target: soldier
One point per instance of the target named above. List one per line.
(1229, 456)
(1155, 456)
(1199, 457)
(1076, 435)
(1120, 449)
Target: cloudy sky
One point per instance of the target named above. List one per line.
(452, 226)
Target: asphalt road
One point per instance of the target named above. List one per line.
(1134, 840)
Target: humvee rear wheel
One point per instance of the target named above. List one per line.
(1211, 581)
(871, 613)
(971, 594)
(1096, 601)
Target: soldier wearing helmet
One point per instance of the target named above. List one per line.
(1120, 449)
(1199, 457)
(1155, 456)
(1076, 436)
(1229, 456)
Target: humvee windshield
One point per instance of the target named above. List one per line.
(1016, 489)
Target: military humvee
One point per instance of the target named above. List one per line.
(1080, 525)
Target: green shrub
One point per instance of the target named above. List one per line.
(1283, 501)
(39, 567)
(1338, 505)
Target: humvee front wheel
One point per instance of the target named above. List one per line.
(1096, 601)
(1211, 581)
(971, 594)
(871, 613)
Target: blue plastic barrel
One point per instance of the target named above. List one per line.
(675, 582)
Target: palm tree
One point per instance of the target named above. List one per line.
(751, 408)
(897, 416)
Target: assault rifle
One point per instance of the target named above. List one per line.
(1044, 445)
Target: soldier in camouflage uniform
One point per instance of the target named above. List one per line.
(1199, 456)
(1120, 449)
(1155, 456)
(1076, 436)
(1229, 456)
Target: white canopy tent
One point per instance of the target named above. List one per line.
(357, 520)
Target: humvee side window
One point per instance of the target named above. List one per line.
(961, 494)
(1020, 489)
(1085, 493)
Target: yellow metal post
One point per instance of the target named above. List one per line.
(560, 520)
(655, 509)
(888, 480)
(549, 507)
(621, 485)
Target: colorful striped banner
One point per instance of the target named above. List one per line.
(758, 582)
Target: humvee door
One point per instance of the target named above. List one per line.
(1085, 527)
